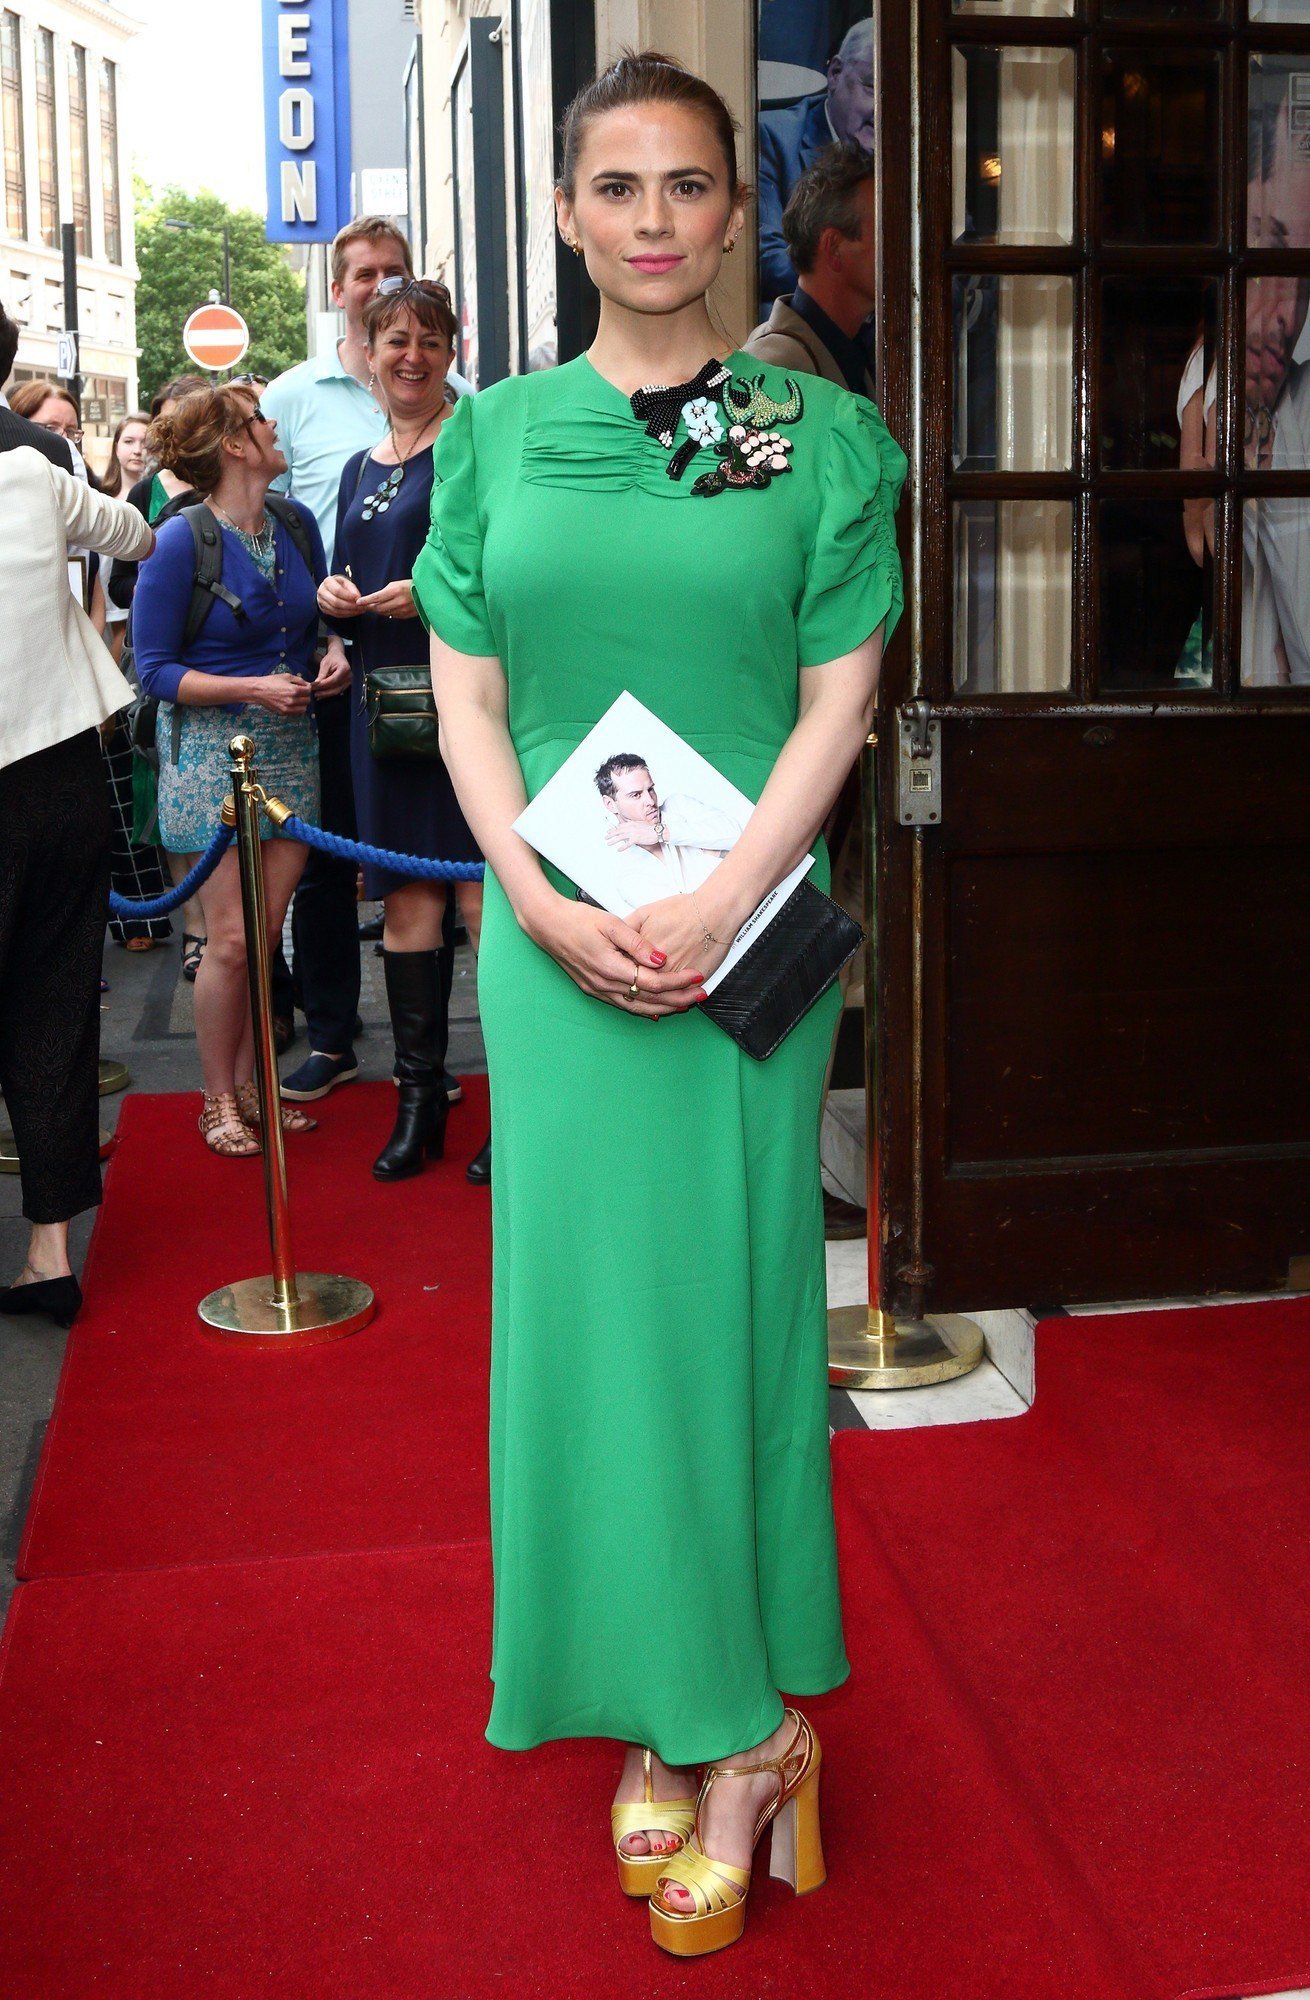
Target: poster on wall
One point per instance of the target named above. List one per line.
(815, 89)
(539, 332)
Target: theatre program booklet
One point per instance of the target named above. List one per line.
(636, 814)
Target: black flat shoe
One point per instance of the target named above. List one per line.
(60, 1299)
(478, 1170)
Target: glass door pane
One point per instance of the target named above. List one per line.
(1013, 596)
(1276, 593)
(1157, 365)
(1159, 144)
(1013, 373)
(1157, 597)
(1012, 165)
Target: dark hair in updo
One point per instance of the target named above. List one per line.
(644, 77)
(189, 440)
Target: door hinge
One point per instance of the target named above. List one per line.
(918, 766)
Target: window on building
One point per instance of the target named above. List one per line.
(79, 139)
(109, 161)
(11, 113)
(47, 142)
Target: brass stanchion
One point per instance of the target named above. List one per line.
(869, 1347)
(288, 1308)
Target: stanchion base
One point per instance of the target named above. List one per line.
(327, 1308)
(113, 1076)
(906, 1354)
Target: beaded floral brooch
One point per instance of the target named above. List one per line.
(730, 417)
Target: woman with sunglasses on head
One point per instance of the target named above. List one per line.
(251, 667)
(405, 803)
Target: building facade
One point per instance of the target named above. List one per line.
(496, 77)
(62, 105)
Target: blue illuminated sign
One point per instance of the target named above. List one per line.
(306, 119)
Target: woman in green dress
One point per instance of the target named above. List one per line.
(723, 548)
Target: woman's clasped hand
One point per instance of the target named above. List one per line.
(340, 597)
(607, 957)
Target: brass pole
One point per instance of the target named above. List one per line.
(254, 912)
(287, 1308)
(869, 1347)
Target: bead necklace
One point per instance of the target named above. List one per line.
(379, 501)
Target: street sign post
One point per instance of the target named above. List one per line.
(215, 337)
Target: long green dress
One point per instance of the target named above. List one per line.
(662, 1532)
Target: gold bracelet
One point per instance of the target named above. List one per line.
(709, 937)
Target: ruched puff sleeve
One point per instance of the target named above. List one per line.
(854, 578)
(448, 574)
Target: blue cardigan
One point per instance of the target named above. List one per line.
(278, 633)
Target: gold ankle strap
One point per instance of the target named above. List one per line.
(775, 1764)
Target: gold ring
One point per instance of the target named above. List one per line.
(632, 990)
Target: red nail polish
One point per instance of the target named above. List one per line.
(702, 995)
(658, 957)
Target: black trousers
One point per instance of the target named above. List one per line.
(54, 902)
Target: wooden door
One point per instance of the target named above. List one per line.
(1095, 946)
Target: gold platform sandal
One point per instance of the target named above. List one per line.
(293, 1118)
(638, 1872)
(718, 1889)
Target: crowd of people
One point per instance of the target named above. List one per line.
(292, 557)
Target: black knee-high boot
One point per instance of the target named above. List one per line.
(417, 1018)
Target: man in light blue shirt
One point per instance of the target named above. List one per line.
(325, 412)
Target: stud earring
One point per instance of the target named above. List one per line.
(574, 245)
(730, 246)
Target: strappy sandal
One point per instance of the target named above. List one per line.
(718, 1889)
(225, 1131)
(293, 1118)
(638, 1873)
(193, 950)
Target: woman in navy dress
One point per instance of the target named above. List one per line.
(382, 524)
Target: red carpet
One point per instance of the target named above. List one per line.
(164, 1449)
(1071, 1763)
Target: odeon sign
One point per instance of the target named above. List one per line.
(306, 118)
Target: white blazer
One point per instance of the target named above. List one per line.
(57, 677)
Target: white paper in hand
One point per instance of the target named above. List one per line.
(635, 814)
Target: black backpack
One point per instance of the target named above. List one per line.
(206, 585)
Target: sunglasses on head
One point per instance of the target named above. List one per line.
(399, 288)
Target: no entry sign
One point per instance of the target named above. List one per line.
(215, 337)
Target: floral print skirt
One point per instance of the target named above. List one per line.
(192, 790)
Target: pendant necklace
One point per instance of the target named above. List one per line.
(260, 544)
(379, 501)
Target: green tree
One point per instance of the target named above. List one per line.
(180, 267)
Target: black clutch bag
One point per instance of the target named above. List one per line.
(778, 978)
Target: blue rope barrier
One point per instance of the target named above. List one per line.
(163, 906)
(416, 865)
